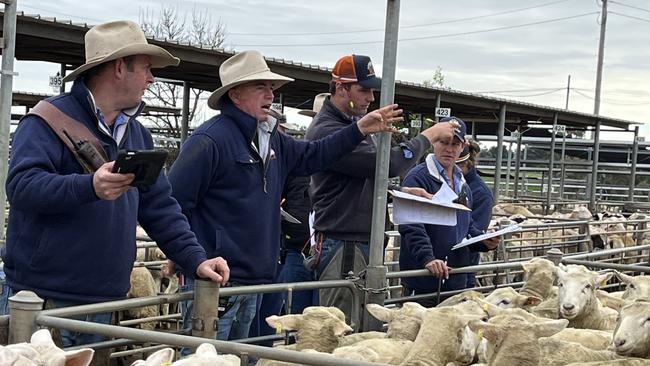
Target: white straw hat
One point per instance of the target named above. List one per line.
(318, 104)
(242, 68)
(110, 41)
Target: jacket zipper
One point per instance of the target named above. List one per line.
(265, 166)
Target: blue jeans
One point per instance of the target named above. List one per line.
(68, 338)
(234, 324)
(330, 268)
(294, 271)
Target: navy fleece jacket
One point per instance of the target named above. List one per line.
(232, 198)
(63, 242)
(422, 243)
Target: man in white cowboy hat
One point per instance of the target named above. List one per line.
(229, 175)
(71, 234)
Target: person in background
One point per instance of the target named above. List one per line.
(343, 194)
(482, 197)
(429, 246)
(229, 176)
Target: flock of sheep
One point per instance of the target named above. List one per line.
(559, 317)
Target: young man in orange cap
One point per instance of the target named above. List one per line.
(343, 194)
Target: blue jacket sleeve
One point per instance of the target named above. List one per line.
(414, 236)
(35, 180)
(473, 230)
(308, 157)
(161, 217)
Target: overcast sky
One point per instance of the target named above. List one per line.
(502, 53)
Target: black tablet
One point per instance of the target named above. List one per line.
(145, 164)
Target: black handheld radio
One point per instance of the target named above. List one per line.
(87, 152)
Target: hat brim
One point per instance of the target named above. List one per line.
(159, 58)
(308, 113)
(462, 158)
(214, 101)
(372, 83)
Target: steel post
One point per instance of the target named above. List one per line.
(185, 112)
(6, 88)
(552, 165)
(562, 166)
(499, 157)
(24, 308)
(375, 276)
(517, 163)
(635, 156)
(594, 168)
(205, 312)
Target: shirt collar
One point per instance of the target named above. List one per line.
(438, 172)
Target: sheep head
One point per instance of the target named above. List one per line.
(576, 289)
(632, 333)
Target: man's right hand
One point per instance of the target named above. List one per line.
(108, 185)
(441, 131)
(380, 120)
(438, 268)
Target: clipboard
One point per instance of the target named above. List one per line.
(476, 239)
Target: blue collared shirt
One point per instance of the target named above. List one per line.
(458, 176)
(117, 131)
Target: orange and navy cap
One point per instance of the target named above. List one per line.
(356, 69)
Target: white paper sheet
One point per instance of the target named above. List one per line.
(440, 210)
(476, 239)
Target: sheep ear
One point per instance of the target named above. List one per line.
(206, 349)
(80, 357)
(340, 328)
(523, 300)
(41, 336)
(380, 312)
(610, 301)
(601, 279)
(548, 328)
(623, 277)
(487, 330)
(286, 322)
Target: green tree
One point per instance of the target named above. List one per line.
(437, 80)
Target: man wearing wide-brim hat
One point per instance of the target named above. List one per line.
(71, 234)
(229, 175)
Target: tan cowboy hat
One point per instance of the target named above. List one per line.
(318, 104)
(242, 68)
(110, 41)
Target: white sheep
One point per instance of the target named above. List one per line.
(539, 276)
(206, 355)
(507, 297)
(632, 334)
(161, 357)
(318, 327)
(41, 351)
(638, 287)
(383, 350)
(577, 299)
(142, 285)
(403, 323)
(443, 327)
(512, 340)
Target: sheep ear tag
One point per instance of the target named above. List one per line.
(480, 334)
(278, 328)
(485, 307)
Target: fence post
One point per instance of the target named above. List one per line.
(504, 249)
(554, 255)
(585, 242)
(24, 307)
(640, 230)
(205, 312)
